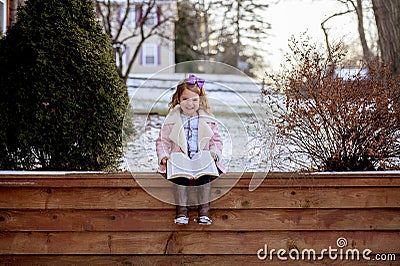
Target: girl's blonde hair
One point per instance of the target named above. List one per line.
(203, 104)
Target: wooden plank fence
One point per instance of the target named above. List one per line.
(109, 219)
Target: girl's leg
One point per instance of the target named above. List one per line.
(181, 200)
(204, 197)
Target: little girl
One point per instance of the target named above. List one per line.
(189, 128)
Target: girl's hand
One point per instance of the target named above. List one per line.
(164, 161)
(215, 157)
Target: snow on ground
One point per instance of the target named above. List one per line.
(226, 93)
(233, 102)
(239, 154)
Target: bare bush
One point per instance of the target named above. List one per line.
(328, 122)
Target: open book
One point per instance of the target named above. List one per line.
(180, 165)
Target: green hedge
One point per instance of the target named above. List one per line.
(62, 101)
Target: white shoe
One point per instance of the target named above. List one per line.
(204, 220)
(181, 220)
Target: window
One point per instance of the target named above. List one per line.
(150, 55)
(152, 17)
(131, 16)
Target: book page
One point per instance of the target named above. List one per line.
(180, 165)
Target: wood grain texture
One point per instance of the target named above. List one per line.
(222, 182)
(236, 198)
(226, 180)
(201, 260)
(180, 242)
(110, 219)
(223, 220)
(244, 175)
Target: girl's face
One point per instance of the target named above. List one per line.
(190, 102)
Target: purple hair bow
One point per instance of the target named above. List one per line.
(193, 80)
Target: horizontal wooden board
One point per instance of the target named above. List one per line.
(237, 198)
(222, 182)
(200, 260)
(178, 242)
(69, 175)
(111, 219)
(245, 175)
(223, 220)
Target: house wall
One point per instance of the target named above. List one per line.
(163, 50)
(164, 58)
(156, 53)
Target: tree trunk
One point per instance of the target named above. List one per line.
(366, 52)
(387, 17)
(238, 36)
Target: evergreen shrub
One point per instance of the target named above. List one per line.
(63, 103)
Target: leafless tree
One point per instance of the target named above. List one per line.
(352, 6)
(132, 20)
